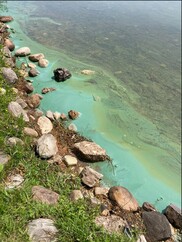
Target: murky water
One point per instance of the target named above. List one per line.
(131, 105)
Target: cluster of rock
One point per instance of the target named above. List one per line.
(158, 226)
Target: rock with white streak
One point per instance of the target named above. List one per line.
(46, 146)
(42, 230)
(17, 111)
(45, 125)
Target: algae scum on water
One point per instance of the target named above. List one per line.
(133, 99)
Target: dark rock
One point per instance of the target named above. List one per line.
(123, 198)
(73, 114)
(148, 207)
(6, 19)
(33, 72)
(157, 226)
(61, 74)
(28, 88)
(174, 215)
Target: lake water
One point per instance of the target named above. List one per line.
(131, 105)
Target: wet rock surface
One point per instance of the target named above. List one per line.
(61, 74)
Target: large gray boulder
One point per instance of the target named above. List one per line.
(90, 151)
(46, 146)
(24, 51)
(157, 226)
(173, 214)
(44, 195)
(17, 111)
(42, 230)
(123, 198)
(9, 75)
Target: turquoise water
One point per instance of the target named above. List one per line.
(132, 119)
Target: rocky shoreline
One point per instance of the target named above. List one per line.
(54, 143)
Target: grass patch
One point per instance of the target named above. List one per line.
(74, 221)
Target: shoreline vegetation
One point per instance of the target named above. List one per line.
(48, 190)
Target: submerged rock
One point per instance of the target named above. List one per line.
(73, 114)
(61, 74)
(47, 89)
(87, 72)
